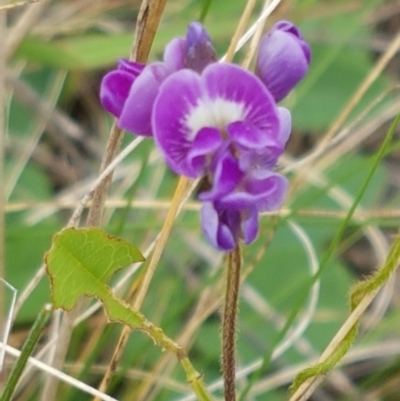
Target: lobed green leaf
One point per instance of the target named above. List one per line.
(82, 260)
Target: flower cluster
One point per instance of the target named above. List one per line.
(216, 120)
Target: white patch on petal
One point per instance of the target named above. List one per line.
(213, 113)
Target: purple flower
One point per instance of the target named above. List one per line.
(194, 115)
(283, 59)
(216, 120)
(224, 124)
(129, 92)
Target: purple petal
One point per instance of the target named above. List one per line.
(199, 51)
(268, 189)
(264, 191)
(282, 60)
(249, 225)
(114, 91)
(264, 158)
(287, 26)
(137, 111)
(248, 136)
(207, 141)
(178, 95)
(174, 54)
(285, 126)
(227, 175)
(218, 233)
(243, 90)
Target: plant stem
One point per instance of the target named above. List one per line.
(229, 322)
(26, 352)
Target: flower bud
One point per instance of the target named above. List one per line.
(283, 59)
(199, 51)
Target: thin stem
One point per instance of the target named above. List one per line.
(26, 352)
(229, 322)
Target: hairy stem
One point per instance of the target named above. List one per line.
(229, 322)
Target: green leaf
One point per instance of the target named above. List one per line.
(81, 261)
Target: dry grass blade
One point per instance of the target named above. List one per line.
(24, 25)
(3, 124)
(366, 84)
(255, 41)
(58, 374)
(239, 30)
(270, 7)
(18, 4)
(8, 315)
